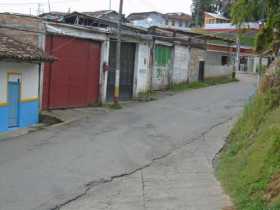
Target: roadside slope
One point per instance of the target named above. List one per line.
(249, 166)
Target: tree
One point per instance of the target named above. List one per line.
(215, 6)
(224, 7)
(201, 6)
(266, 10)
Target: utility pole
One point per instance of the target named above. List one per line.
(39, 9)
(237, 59)
(110, 4)
(118, 56)
(49, 5)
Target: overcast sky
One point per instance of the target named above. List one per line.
(27, 6)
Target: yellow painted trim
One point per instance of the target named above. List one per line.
(3, 104)
(25, 100)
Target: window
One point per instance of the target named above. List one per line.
(163, 55)
(166, 22)
(173, 22)
(224, 60)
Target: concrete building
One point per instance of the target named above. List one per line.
(212, 18)
(147, 19)
(169, 20)
(178, 20)
(219, 62)
(134, 51)
(177, 55)
(152, 58)
(74, 80)
(19, 83)
(216, 24)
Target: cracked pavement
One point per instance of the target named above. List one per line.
(155, 155)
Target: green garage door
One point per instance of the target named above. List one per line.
(162, 69)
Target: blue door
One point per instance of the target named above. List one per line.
(13, 99)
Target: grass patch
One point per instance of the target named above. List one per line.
(188, 86)
(146, 96)
(252, 156)
(113, 106)
(197, 85)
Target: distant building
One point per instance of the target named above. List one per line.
(105, 15)
(150, 19)
(54, 16)
(178, 20)
(229, 27)
(218, 23)
(109, 15)
(147, 19)
(212, 18)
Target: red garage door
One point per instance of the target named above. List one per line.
(73, 80)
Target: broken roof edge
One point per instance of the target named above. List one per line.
(78, 27)
(105, 21)
(87, 32)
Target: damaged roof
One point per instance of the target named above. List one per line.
(142, 15)
(101, 13)
(11, 49)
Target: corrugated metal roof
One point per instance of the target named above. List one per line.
(99, 14)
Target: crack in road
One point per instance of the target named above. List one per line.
(143, 189)
(89, 186)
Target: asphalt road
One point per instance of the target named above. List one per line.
(154, 155)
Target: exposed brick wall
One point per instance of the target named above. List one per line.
(25, 23)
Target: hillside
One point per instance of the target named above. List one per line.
(249, 166)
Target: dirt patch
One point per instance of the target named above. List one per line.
(49, 120)
(229, 208)
(273, 191)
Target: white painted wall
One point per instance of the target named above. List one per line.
(28, 74)
(217, 70)
(257, 63)
(105, 51)
(214, 67)
(3, 85)
(75, 32)
(182, 57)
(141, 76)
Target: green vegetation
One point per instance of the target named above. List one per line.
(252, 156)
(215, 6)
(114, 106)
(246, 39)
(253, 10)
(147, 96)
(206, 83)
